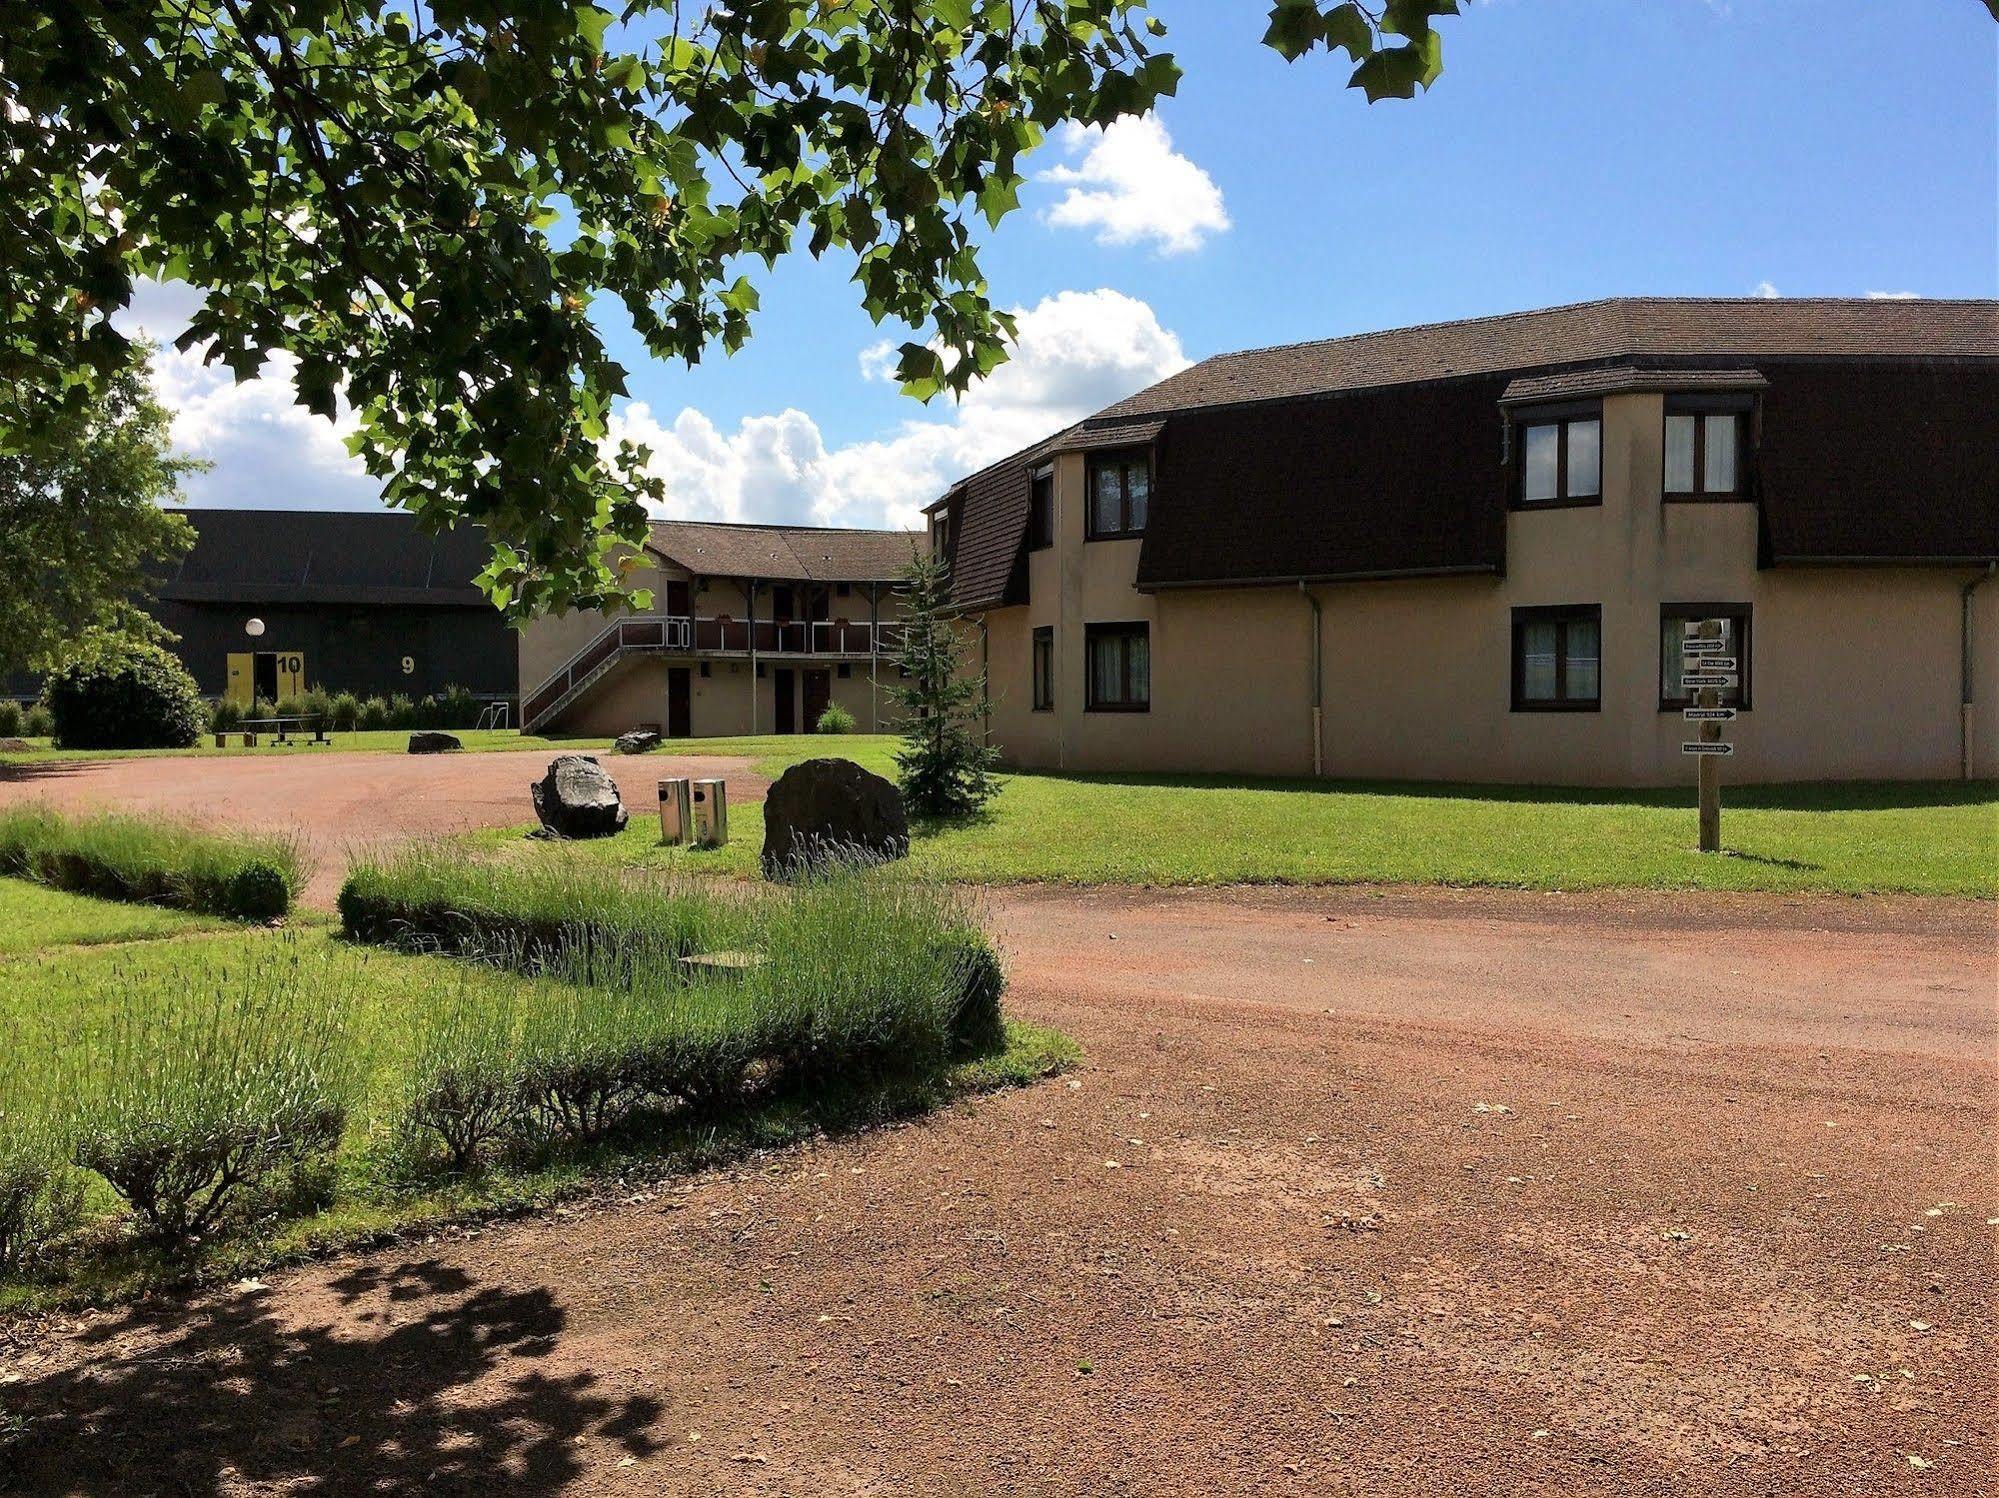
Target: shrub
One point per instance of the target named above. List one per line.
(374, 716)
(123, 694)
(288, 707)
(402, 712)
(343, 712)
(11, 719)
(150, 859)
(457, 707)
(197, 1104)
(224, 714)
(38, 722)
(858, 977)
(521, 913)
(41, 1197)
(316, 703)
(836, 719)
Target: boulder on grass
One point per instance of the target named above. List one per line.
(638, 741)
(429, 741)
(577, 799)
(822, 810)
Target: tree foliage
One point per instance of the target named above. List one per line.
(81, 522)
(945, 764)
(420, 203)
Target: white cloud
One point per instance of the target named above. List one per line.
(1132, 187)
(1766, 290)
(268, 452)
(1073, 354)
(1893, 296)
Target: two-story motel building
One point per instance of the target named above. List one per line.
(1468, 551)
(752, 629)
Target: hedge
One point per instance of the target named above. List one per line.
(152, 860)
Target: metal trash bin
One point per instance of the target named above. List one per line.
(711, 813)
(676, 821)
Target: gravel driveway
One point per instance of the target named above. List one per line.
(1385, 1192)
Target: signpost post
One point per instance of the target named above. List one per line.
(1704, 670)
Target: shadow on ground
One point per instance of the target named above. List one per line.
(214, 1398)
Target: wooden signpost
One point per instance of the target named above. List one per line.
(1704, 671)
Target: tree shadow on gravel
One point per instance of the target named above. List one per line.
(216, 1398)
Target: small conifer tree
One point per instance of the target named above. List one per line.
(945, 763)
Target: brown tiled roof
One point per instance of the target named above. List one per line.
(1090, 437)
(799, 553)
(1374, 483)
(1880, 462)
(988, 515)
(1627, 328)
(1622, 379)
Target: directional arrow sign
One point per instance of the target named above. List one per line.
(1702, 746)
(1695, 645)
(1694, 679)
(1708, 714)
(1708, 663)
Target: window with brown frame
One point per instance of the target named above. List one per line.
(1560, 456)
(1120, 494)
(1674, 619)
(1704, 445)
(1120, 668)
(1041, 510)
(1044, 668)
(1558, 659)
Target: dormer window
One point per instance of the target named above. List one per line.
(1120, 494)
(1705, 447)
(940, 535)
(1561, 456)
(1041, 510)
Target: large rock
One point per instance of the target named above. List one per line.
(429, 741)
(831, 808)
(577, 799)
(638, 741)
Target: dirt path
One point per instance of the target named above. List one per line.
(1389, 1192)
(339, 800)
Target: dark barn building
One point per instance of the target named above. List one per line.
(351, 601)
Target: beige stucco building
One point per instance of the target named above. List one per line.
(752, 629)
(1468, 552)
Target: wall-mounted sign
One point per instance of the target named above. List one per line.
(1707, 746)
(409, 665)
(1708, 714)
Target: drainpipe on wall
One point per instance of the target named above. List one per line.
(986, 678)
(1964, 669)
(1318, 690)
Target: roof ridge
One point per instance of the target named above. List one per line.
(780, 528)
(1622, 303)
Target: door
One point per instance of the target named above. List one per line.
(266, 676)
(679, 600)
(679, 702)
(785, 715)
(818, 692)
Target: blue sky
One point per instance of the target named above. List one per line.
(1572, 149)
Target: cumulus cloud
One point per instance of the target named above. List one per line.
(1766, 290)
(1074, 353)
(268, 452)
(1131, 187)
(1893, 296)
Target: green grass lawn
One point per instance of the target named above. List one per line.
(33, 917)
(1922, 838)
(387, 740)
(60, 974)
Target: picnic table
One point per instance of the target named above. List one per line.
(284, 728)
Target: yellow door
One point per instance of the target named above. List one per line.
(242, 680)
(291, 674)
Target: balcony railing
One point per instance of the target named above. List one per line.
(680, 634)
